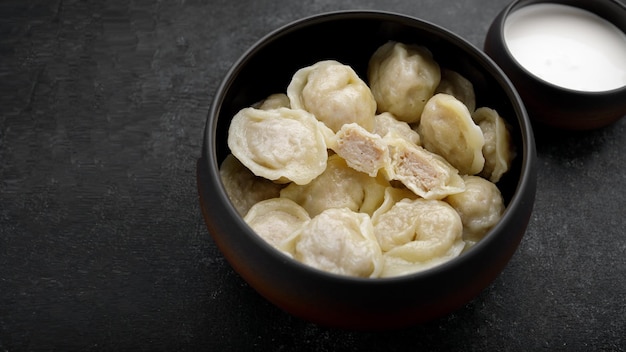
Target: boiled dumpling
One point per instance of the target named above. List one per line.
(274, 101)
(362, 150)
(392, 196)
(498, 149)
(417, 233)
(426, 174)
(402, 78)
(385, 123)
(279, 144)
(455, 84)
(384, 218)
(447, 129)
(395, 226)
(339, 186)
(480, 207)
(340, 241)
(334, 93)
(243, 187)
(398, 266)
(432, 223)
(275, 220)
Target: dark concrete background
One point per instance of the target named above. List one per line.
(102, 244)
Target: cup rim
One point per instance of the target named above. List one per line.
(519, 4)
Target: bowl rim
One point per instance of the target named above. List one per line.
(525, 184)
(519, 4)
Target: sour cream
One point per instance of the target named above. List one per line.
(567, 46)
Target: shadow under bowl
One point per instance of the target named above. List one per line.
(351, 37)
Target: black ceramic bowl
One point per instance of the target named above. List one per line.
(339, 301)
(546, 103)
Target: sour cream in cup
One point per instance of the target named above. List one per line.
(566, 59)
(567, 46)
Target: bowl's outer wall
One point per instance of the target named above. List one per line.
(351, 38)
(548, 104)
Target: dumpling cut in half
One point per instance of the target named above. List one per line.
(281, 144)
(363, 151)
(426, 174)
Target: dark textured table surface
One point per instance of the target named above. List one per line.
(102, 244)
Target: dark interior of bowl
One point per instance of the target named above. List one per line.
(351, 38)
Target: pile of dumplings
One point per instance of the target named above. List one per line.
(375, 179)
